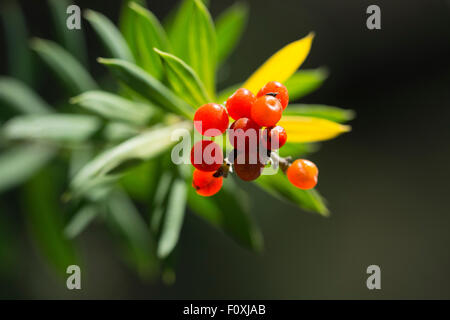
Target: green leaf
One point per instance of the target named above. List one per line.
(141, 182)
(202, 45)
(193, 40)
(173, 218)
(20, 97)
(119, 131)
(51, 127)
(165, 178)
(19, 163)
(304, 82)
(114, 107)
(80, 221)
(320, 111)
(229, 27)
(64, 65)
(110, 36)
(228, 211)
(126, 221)
(280, 187)
(145, 146)
(20, 62)
(44, 218)
(147, 86)
(94, 190)
(126, 22)
(183, 80)
(72, 40)
(148, 34)
(178, 12)
(78, 158)
(177, 29)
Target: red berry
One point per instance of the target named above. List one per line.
(274, 135)
(239, 104)
(303, 174)
(278, 90)
(248, 166)
(244, 134)
(211, 119)
(205, 183)
(266, 111)
(206, 155)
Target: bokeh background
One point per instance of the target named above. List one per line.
(387, 182)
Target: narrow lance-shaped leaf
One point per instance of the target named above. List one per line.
(141, 182)
(142, 147)
(114, 107)
(20, 62)
(202, 45)
(229, 28)
(148, 34)
(147, 86)
(304, 82)
(320, 111)
(126, 22)
(158, 205)
(119, 131)
(126, 221)
(279, 186)
(78, 158)
(173, 218)
(183, 80)
(309, 129)
(81, 220)
(177, 27)
(94, 191)
(109, 35)
(72, 40)
(64, 65)
(228, 211)
(19, 163)
(174, 16)
(282, 65)
(21, 98)
(51, 127)
(299, 84)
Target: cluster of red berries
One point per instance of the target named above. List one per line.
(252, 145)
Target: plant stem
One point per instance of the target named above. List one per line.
(284, 163)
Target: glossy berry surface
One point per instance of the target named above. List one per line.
(278, 90)
(248, 166)
(205, 183)
(206, 155)
(303, 174)
(274, 135)
(266, 111)
(211, 119)
(239, 104)
(244, 134)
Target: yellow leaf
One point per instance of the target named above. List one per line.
(281, 65)
(309, 129)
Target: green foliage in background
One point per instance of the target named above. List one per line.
(105, 156)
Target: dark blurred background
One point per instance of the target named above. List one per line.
(386, 182)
